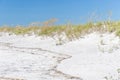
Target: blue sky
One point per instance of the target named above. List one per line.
(75, 11)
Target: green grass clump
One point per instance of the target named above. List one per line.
(20, 31)
(114, 27)
(48, 30)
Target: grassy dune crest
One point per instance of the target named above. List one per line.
(70, 31)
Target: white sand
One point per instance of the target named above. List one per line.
(94, 57)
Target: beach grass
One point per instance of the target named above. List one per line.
(71, 31)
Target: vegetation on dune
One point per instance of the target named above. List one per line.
(71, 31)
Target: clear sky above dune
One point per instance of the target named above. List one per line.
(76, 11)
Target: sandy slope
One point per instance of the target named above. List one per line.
(96, 60)
(17, 63)
(93, 57)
